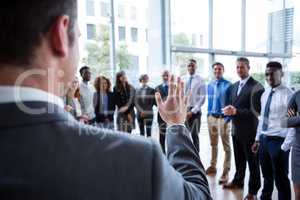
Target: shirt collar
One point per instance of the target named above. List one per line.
(244, 81)
(24, 94)
(275, 88)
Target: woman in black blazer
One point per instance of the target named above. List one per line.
(124, 94)
(104, 103)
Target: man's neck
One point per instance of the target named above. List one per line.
(22, 77)
(244, 78)
(275, 86)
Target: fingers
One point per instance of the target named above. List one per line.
(178, 88)
(172, 86)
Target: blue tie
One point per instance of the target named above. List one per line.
(166, 88)
(267, 112)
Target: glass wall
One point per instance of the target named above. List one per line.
(189, 24)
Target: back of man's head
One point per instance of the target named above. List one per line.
(24, 22)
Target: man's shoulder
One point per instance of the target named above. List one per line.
(111, 141)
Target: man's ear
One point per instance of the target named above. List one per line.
(59, 37)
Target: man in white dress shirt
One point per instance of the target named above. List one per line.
(272, 141)
(195, 86)
(87, 93)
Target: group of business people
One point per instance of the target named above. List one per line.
(97, 104)
(263, 130)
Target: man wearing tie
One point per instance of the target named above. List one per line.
(163, 90)
(243, 109)
(273, 141)
(195, 86)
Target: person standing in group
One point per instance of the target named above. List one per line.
(87, 94)
(144, 102)
(218, 91)
(72, 101)
(243, 109)
(196, 88)
(272, 141)
(104, 103)
(163, 89)
(293, 121)
(124, 95)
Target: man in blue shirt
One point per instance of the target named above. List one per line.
(218, 93)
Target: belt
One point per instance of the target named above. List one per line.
(273, 137)
(216, 115)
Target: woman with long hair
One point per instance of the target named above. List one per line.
(72, 101)
(124, 94)
(104, 103)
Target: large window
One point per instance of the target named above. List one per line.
(121, 11)
(105, 9)
(189, 23)
(91, 31)
(134, 34)
(180, 61)
(122, 33)
(90, 8)
(227, 24)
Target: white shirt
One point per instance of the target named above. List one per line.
(278, 111)
(198, 92)
(87, 97)
(11, 94)
(242, 83)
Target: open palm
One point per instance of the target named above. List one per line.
(173, 110)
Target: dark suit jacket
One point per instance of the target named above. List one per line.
(100, 116)
(294, 122)
(248, 108)
(145, 103)
(163, 94)
(51, 156)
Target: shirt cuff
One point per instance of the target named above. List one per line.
(285, 147)
(172, 125)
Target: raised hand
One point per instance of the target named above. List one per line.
(174, 109)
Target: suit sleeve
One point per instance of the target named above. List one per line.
(255, 106)
(181, 176)
(293, 122)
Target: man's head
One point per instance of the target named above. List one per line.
(39, 34)
(165, 76)
(192, 66)
(242, 67)
(144, 79)
(85, 73)
(274, 73)
(218, 69)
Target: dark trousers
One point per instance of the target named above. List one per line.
(162, 134)
(242, 155)
(193, 125)
(274, 166)
(145, 123)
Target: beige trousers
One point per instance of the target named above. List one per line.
(216, 127)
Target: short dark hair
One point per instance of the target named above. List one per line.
(82, 69)
(274, 64)
(23, 23)
(244, 60)
(143, 77)
(192, 61)
(217, 63)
